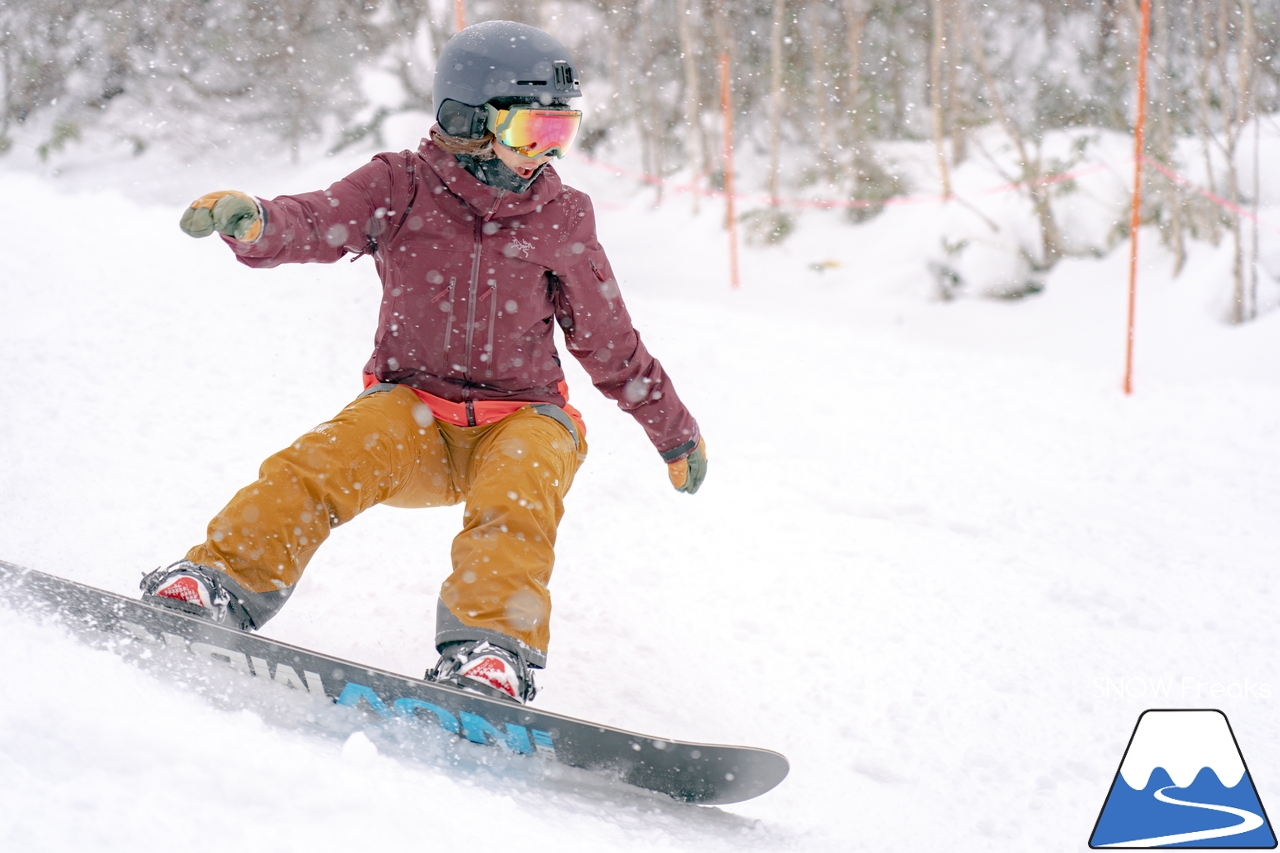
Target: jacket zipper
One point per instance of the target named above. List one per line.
(448, 328)
(493, 319)
(473, 290)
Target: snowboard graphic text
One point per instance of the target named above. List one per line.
(338, 697)
(473, 727)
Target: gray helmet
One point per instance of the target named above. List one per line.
(498, 61)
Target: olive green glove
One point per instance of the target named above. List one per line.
(228, 212)
(688, 473)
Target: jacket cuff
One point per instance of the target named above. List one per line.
(681, 451)
(262, 217)
(245, 245)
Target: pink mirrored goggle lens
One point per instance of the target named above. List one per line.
(534, 132)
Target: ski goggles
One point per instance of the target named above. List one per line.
(532, 131)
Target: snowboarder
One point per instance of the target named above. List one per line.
(481, 251)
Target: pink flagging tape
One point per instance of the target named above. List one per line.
(707, 192)
(1060, 178)
(830, 203)
(1216, 199)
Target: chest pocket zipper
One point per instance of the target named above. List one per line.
(493, 318)
(448, 328)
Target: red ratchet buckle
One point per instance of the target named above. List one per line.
(532, 131)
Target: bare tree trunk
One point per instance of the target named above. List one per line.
(6, 109)
(935, 94)
(1257, 193)
(1162, 144)
(955, 101)
(720, 26)
(1231, 121)
(724, 48)
(775, 96)
(620, 23)
(821, 95)
(439, 26)
(409, 17)
(618, 32)
(856, 13)
(1246, 72)
(1051, 241)
(1204, 79)
(692, 104)
(651, 133)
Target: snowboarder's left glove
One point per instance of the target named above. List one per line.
(228, 212)
(688, 472)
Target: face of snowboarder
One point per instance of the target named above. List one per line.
(518, 163)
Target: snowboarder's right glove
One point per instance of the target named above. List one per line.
(688, 473)
(228, 212)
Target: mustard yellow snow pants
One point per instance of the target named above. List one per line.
(386, 447)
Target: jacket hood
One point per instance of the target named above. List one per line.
(483, 200)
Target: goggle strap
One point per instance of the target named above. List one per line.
(492, 123)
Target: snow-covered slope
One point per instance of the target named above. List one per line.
(940, 560)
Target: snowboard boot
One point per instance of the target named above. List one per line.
(197, 590)
(484, 668)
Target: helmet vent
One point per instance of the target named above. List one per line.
(531, 82)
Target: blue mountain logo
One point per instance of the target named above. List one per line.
(1183, 783)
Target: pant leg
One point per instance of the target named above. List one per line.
(384, 447)
(519, 473)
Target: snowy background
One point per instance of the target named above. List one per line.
(940, 561)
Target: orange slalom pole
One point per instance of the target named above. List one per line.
(1135, 212)
(459, 15)
(731, 216)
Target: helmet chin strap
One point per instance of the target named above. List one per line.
(497, 174)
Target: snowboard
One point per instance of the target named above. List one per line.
(241, 668)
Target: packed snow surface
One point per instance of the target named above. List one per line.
(941, 561)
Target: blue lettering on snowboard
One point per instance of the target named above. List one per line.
(406, 706)
(471, 726)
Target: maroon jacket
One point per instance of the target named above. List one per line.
(473, 280)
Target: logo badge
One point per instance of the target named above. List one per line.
(1183, 783)
(519, 247)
